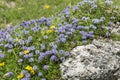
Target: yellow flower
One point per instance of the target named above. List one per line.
(47, 6)
(49, 31)
(32, 71)
(21, 75)
(26, 51)
(29, 68)
(2, 64)
(17, 40)
(52, 27)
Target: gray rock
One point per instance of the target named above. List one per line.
(97, 61)
(116, 28)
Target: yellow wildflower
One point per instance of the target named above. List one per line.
(52, 27)
(21, 75)
(32, 71)
(49, 31)
(47, 6)
(17, 40)
(29, 68)
(26, 51)
(2, 64)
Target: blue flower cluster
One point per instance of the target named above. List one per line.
(39, 43)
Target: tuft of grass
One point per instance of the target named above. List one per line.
(28, 9)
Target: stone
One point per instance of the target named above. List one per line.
(116, 28)
(99, 60)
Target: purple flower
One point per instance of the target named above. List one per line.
(84, 37)
(110, 23)
(93, 26)
(43, 78)
(45, 37)
(66, 11)
(63, 40)
(25, 78)
(108, 34)
(8, 74)
(93, 6)
(62, 59)
(96, 21)
(54, 51)
(75, 8)
(24, 72)
(112, 17)
(42, 46)
(39, 74)
(31, 48)
(2, 55)
(27, 75)
(109, 2)
(9, 40)
(25, 32)
(48, 52)
(26, 56)
(31, 60)
(37, 51)
(20, 60)
(30, 38)
(67, 53)
(22, 42)
(84, 41)
(45, 67)
(85, 18)
(61, 51)
(24, 48)
(9, 46)
(41, 57)
(91, 32)
(34, 67)
(53, 58)
(30, 54)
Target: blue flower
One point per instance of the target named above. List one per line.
(31, 60)
(45, 37)
(43, 78)
(34, 67)
(25, 78)
(75, 8)
(61, 51)
(22, 42)
(39, 74)
(37, 51)
(26, 56)
(108, 34)
(20, 60)
(27, 75)
(96, 21)
(2, 55)
(53, 58)
(8, 74)
(45, 67)
(108, 2)
(62, 59)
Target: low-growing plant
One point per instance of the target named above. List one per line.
(34, 49)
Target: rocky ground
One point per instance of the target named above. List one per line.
(99, 60)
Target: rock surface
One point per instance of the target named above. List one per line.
(99, 60)
(116, 28)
